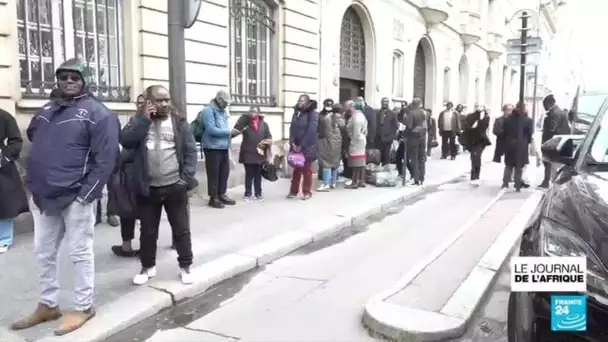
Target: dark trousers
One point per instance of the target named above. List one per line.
(512, 172)
(416, 156)
(399, 160)
(174, 198)
(548, 172)
(448, 144)
(476, 162)
(253, 178)
(217, 165)
(127, 228)
(385, 152)
(347, 171)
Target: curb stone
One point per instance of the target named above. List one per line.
(147, 301)
(405, 324)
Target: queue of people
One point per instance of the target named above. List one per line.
(76, 151)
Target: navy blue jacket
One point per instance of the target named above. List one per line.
(134, 136)
(73, 152)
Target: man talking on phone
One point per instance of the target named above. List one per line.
(164, 165)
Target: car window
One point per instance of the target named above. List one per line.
(589, 104)
(599, 147)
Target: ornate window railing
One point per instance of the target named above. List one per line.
(51, 31)
(252, 32)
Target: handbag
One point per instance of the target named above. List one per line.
(434, 143)
(296, 159)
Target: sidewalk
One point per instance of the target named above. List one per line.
(436, 300)
(225, 242)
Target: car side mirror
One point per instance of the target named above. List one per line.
(561, 148)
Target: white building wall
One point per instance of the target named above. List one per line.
(305, 56)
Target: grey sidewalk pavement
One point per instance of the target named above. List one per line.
(432, 302)
(225, 242)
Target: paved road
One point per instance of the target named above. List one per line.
(490, 321)
(318, 292)
(215, 233)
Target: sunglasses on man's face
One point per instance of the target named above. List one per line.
(66, 77)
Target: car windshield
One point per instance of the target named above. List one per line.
(587, 108)
(598, 153)
(589, 104)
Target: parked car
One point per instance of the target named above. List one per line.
(571, 220)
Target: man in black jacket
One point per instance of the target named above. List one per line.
(555, 123)
(387, 131)
(370, 116)
(164, 165)
(415, 133)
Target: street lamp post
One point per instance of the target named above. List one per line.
(522, 68)
(181, 14)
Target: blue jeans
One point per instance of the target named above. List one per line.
(330, 176)
(6, 232)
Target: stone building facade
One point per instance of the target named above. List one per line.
(266, 52)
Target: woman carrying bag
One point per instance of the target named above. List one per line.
(256, 138)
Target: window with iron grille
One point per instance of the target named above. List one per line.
(252, 33)
(51, 31)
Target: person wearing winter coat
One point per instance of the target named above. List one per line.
(387, 127)
(11, 187)
(330, 145)
(164, 168)
(448, 125)
(476, 138)
(74, 144)
(555, 123)
(431, 140)
(415, 132)
(357, 133)
(127, 222)
(303, 138)
(518, 130)
(372, 122)
(498, 131)
(254, 146)
(346, 116)
(216, 145)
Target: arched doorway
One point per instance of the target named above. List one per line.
(424, 72)
(352, 56)
(488, 88)
(463, 86)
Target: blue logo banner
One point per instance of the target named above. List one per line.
(568, 313)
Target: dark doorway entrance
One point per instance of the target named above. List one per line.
(352, 57)
(420, 73)
(350, 89)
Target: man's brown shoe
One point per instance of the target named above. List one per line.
(43, 313)
(73, 321)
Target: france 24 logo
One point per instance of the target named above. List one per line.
(568, 313)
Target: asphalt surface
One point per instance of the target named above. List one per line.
(317, 293)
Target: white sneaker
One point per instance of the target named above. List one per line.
(186, 276)
(476, 182)
(323, 188)
(145, 275)
(348, 182)
(3, 249)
